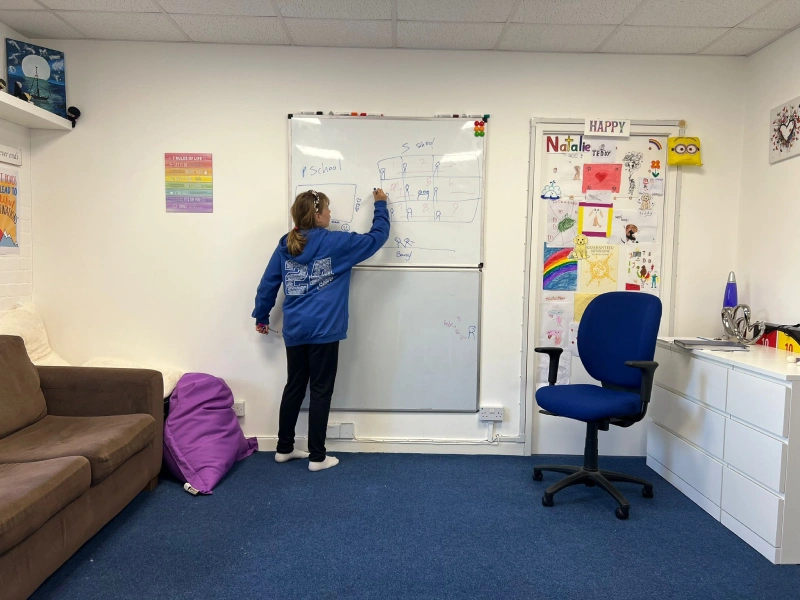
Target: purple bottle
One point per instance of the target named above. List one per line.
(731, 296)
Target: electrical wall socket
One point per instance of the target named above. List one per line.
(238, 408)
(491, 413)
(346, 431)
(333, 431)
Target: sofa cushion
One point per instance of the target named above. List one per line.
(21, 399)
(107, 442)
(31, 493)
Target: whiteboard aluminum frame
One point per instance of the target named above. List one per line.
(441, 268)
(527, 384)
(400, 118)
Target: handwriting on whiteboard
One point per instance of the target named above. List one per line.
(463, 332)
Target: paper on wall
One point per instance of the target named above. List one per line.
(562, 223)
(599, 272)
(580, 304)
(573, 338)
(640, 269)
(564, 368)
(603, 150)
(634, 227)
(554, 320)
(648, 185)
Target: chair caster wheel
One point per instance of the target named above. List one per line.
(622, 513)
(547, 500)
(647, 491)
(537, 475)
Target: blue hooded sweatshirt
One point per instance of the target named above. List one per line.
(317, 281)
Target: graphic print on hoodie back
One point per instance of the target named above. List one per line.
(317, 281)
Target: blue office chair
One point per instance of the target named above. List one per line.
(616, 343)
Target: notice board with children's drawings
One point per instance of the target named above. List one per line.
(603, 218)
(431, 168)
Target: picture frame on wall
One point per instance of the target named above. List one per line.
(784, 123)
(37, 73)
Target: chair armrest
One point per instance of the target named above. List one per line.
(648, 369)
(553, 353)
(97, 392)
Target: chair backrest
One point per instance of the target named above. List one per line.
(614, 328)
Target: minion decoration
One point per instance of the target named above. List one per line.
(684, 151)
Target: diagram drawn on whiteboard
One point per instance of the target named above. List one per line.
(427, 187)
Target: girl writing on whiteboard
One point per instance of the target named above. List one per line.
(314, 264)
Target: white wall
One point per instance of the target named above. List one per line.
(768, 236)
(116, 275)
(16, 274)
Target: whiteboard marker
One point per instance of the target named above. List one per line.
(447, 116)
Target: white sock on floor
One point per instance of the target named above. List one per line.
(282, 458)
(330, 461)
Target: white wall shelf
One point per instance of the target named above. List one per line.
(28, 115)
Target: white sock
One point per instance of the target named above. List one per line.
(282, 458)
(330, 461)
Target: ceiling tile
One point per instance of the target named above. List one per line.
(350, 34)
(233, 30)
(661, 40)
(125, 26)
(336, 9)
(252, 8)
(477, 11)
(103, 5)
(20, 5)
(39, 24)
(555, 38)
(741, 42)
(447, 36)
(575, 12)
(783, 14)
(695, 13)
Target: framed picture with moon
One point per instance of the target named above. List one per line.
(36, 74)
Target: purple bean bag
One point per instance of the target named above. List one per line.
(202, 438)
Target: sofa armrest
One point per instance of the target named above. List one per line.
(97, 392)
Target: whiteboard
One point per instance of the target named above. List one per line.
(432, 170)
(413, 342)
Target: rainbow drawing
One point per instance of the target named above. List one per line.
(560, 271)
(656, 143)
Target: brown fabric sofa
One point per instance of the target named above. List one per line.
(77, 445)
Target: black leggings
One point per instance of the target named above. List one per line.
(314, 363)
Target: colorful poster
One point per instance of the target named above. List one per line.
(634, 227)
(189, 183)
(562, 223)
(554, 320)
(640, 269)
(599, 272)
(560, 271)
(594, 219)
(598, 177)
(9, 240)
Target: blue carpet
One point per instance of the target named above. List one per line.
(390, 526)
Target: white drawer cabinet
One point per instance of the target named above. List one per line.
(721, 433)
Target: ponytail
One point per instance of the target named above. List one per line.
(296, 242)
(304, 211)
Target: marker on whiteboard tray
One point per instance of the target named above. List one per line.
(448, 116)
